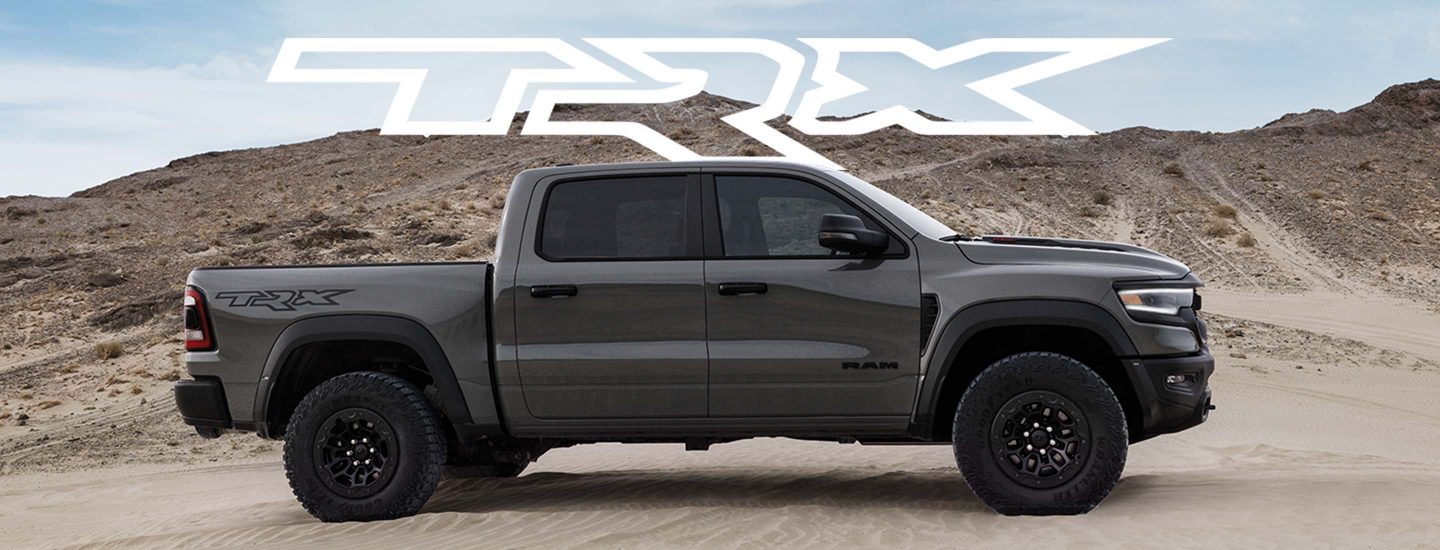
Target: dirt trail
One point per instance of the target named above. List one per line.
(1375, 319)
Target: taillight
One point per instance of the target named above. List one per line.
(197, 326)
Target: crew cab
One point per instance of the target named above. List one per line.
(699, 303)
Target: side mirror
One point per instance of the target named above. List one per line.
(848, 234)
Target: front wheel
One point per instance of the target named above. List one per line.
(364, 446)
(1040, 434)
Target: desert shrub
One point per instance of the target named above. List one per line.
(1173, 169)
(329, 236)
(1224, 211)
(748, 151)
(1102, 198)
(1218, 227)
(1246, 241)
(1089, 212)
(109, 349)
(1315, 194)
(1379, 215)
(1367, 166)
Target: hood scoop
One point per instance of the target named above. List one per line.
(1058, 243)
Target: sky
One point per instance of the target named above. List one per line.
(94, 90)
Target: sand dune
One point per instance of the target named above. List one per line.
(1335, 453)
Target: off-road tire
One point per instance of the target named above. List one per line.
(981, 454)
(419, 447)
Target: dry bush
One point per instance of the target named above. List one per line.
(1379, 215)
(1224, 211)
(115, 379)
(109, 349)
(1089, 212)
(1315, 194)
(136, 389)
(48, 404)
(1102, 198)
(1367, 166)
(1246, 241)
(1218, 227)
(1173, 169)
(171, 376)
(467, 249)
(748, 151)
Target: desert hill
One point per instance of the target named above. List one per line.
(1344, 202)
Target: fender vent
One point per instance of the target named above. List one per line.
(929, 311)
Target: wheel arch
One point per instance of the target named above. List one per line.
(278, 392)
(980, 334)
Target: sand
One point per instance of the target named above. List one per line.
(1343, 451)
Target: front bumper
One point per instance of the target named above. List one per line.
(202, 405)
(1174, 392)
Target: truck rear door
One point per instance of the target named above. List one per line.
(610, 302)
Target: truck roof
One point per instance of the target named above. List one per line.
(728, 162)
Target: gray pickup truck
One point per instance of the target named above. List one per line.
(700, 303)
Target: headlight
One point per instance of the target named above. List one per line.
(1157, 301)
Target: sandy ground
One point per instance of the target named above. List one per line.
(1330, 440)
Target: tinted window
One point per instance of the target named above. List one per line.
(776, 216)
(622, 218)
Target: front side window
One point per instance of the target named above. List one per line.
(619, 218)
(778, 216)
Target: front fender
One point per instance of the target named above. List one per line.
(967, 322)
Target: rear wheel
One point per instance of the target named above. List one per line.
(364, 446)
(1040, 434)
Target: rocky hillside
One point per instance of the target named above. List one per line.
(1316, 202)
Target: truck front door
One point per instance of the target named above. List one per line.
(794, 329)
(610, 302)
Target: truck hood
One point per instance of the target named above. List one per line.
(1139, 263)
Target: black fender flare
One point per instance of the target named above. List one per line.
(380, 328)
(966, 323)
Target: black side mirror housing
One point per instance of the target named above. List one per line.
(844, 233)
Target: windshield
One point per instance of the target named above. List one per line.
(920, 221)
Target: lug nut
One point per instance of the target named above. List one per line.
(369, 424)
(1037, 424)
(1027, 434)
(372, 449)
(1049, 429)
(355, 426)
(364, 440)
(1029, 447)
(352, 441)
(349, 453)
(367, 461)
(355, 463)
(1052, 441)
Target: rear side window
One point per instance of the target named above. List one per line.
(617, 219)
(778, 217)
